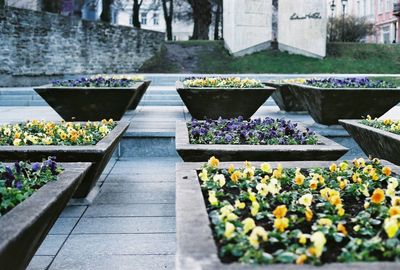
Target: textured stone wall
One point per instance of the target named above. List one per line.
(42, 45)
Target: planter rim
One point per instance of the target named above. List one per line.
(22, 216)
(50, 86)
(101, 145)
(356, 122)
(183, 142)
(180, 86)
(196, 247)
(343, 88)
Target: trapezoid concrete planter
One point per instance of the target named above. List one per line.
(213, 103)
(24, 228)
(89, 103)
(196, 247)
(326, 150)
(285, 99)
(373, 141)
(327, 105)
(139, 95)
(99, 155)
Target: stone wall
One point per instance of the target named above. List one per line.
(36, 46)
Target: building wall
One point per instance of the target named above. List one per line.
(386, 23)
(43, 44)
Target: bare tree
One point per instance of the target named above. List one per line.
(168, 11)
(352, 29)
(106, 10)
(217, 17)
(201, 18)
(135, 13)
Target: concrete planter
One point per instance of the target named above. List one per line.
(326, 150)
(89, 103)
(373, 141)
(98, 154)
(139, 95)
(24, 228)
(213, 103)
(285, 99)
(196, 248)
(327, 106)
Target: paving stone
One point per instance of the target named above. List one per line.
(123, 197)
(140, 177)
(115, 225)
(63, 225)
(156, 187)
(51, 244)
(120, 262)
(73, 211)
(83, 245)
(130, 210)
(40, 262)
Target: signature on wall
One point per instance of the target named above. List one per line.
(314, 16)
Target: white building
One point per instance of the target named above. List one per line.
(152, 17)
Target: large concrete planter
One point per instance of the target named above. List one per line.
(326, 150)
(213, 103)
(24, 228)
(196, 248)
(285, 99)
(327, 106)
(139, 95)
(373, 141)
(89, 103)
(98, 154)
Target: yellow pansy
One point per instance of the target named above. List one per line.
(235, 176)
(343, 165)
(301, 259)
(262, 189)
(318, 239)
(391, 226)
(394, 211)
(257, 234)
(248, 225)
(265, 167)
(239, 204)
(213, 162)
(325, 222)
(309, 214)
(299, 178)
(302, 238)
(229, 230)
(220, 179)
(212, 198)
(333, 167)
(342, 229)
(203, 175)
(313, 184)
(281, 224)
(306, 199)
(255, 207)
(280, 211)
(17, 142)
(231, 168)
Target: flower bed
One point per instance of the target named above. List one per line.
(304, 213)
(386, 125)
(361, 82)
(32, 197)
(69, 142)
(211, 98)
(49, 133)
(222, 82)
(379, 138)
(19, 182)
(328, 100)
(283, 96)
(262, 140)
(266, 131)
(92, 98)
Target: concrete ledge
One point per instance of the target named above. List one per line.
(292, 50)
(196, 248)
(373, 141)
(256, 48)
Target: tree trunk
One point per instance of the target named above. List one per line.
(201, 18)
(217, 19)
(106, 12)
(2, 4)
(168, 16)
(135, 13)
(51, 6)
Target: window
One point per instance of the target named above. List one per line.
(155, 19)
(143, 18)
(386, 34)
(380, 6)
(389, 5)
